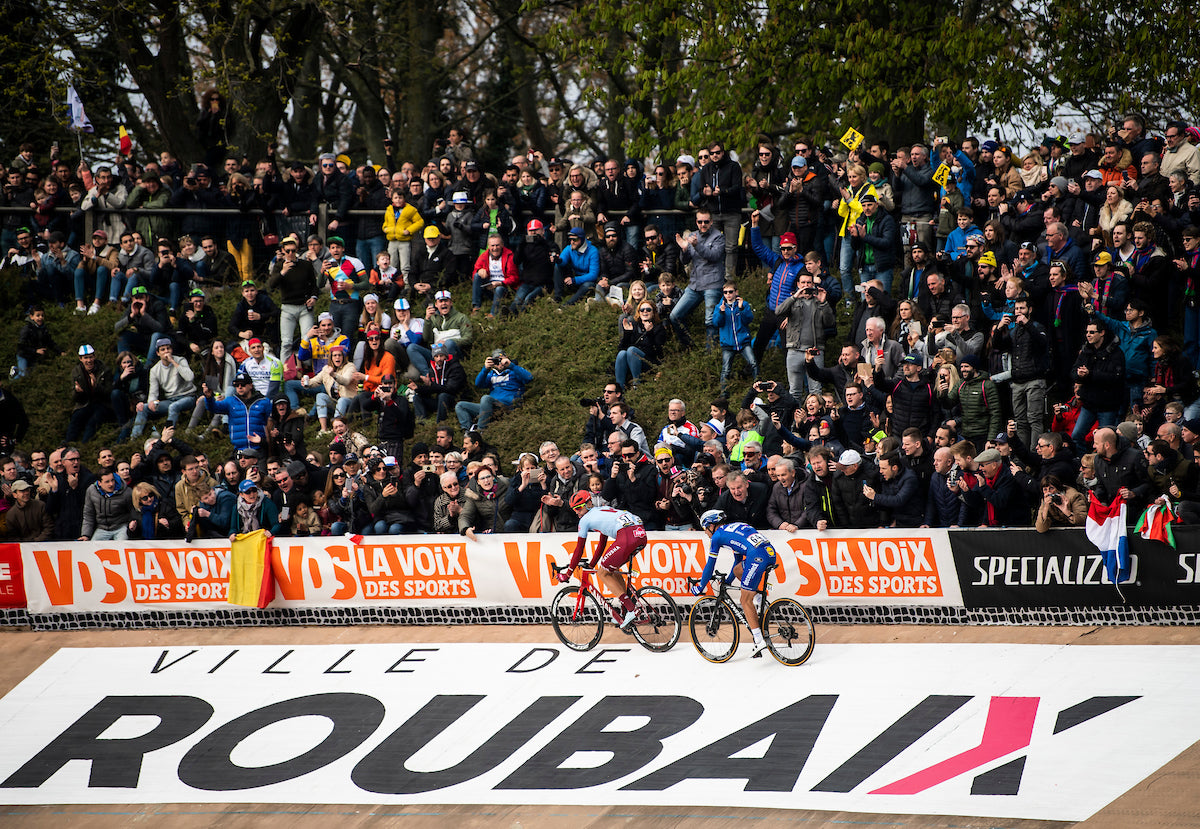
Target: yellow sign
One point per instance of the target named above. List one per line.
(852, 139)
(942, 174)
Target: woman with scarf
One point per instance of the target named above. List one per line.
(253, 511)
(486, 509)
(153, 515)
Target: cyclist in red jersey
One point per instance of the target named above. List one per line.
(628, 537)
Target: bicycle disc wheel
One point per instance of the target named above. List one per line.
(789, 631)
(714, 629)
(658, 623)
(579, 626)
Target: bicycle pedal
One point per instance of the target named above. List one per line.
(757, 651)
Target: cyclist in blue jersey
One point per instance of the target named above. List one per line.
(753, 558)
(628, 537)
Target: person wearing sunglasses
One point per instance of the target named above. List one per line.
(332, 188)
(721, 191)
(706, 251)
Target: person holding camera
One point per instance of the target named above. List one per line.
(172, 389)
(733, 318)
(504, 382)
(1061, 506)
(807, 314)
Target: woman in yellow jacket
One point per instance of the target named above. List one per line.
(401, 222)
(850, 208)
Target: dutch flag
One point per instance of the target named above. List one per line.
(1106, 529)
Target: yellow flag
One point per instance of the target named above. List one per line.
(852, 139)
(251, 583)
(941, 175)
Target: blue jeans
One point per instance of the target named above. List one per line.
(629, 364)
(118, 289)
(579, 290)
(481, 412)
(174, 408)
(293, 389)
(1088, 418)
(868, 272)
(444, 403)
(689, 300)
(477, 294)
(345, 317)
(367, 249)
(119, 534)
(727, 355)
(420, 356)
(81, 287)
(382, 527)
(846, 265)
(526, 294)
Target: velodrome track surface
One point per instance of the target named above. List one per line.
(1170, 797)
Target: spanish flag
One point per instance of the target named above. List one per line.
(126, 141)
(251, 583)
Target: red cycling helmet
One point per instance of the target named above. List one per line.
(580, 499)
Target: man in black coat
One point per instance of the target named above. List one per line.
(851, 507)
(744, 500)
(67, 491)
(631, 485)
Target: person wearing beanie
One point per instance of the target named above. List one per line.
(979, 399)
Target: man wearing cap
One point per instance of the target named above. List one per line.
(913, 396)
(347, 277)
(447, 325)
(91, 398)
(247, 411)
(145, 320)
(172, 389)
(333, 190)
(979, 399)
(503, 382)
(27, 518)
(800, 203)
(618, 264)
(1109, 290)
(875, 236)
(440, 386)
(56, 270)
(319, 340)
(851, 507)
(578, 267)
(430, 262)
(253, 316)
(264, 370)
(253, 511)
(196, 325)
(995, 493)
(535, 266)
(99, 258)
(296, 281)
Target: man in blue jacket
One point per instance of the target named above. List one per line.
(505, 382)
(578, 267)
(786, 267)
(247, 411)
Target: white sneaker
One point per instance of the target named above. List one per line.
(628, 620)
(757, 650)
(93, 309)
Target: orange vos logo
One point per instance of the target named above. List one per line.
(373, 571)
(666, 563)
(191, 574)
(867, 567)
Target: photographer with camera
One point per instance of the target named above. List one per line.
(1061, 506)
(807, 315)
(146, 319)
(504, 382)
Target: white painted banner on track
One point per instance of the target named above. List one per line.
(1017, 731)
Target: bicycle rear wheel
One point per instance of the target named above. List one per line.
(789, 631)
(578, 625)
(658, 623)
(714, 629)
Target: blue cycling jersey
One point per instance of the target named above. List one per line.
(746, 543)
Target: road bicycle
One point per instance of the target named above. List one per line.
(715, 623)
(578, 613)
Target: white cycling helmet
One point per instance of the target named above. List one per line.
(712, 518)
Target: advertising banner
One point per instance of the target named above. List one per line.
(1061, 568)
(909, 567)
(1039, 732)
(12, 583)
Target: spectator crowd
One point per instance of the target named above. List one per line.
(1012, 333)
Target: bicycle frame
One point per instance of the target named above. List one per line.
(586, 585)
(722, 595)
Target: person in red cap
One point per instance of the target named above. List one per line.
(535, 266)
(786, 267)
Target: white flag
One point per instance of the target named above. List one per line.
(79, 119)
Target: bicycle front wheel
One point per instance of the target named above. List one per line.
(714, 629)
(578, 619)
(789, 631)
(658, 623)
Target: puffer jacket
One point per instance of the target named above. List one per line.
(106, 511)
(980, 403)
(734, 324)
(1029, 346)
(246, 418)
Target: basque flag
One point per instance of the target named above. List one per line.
(1106, 529)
